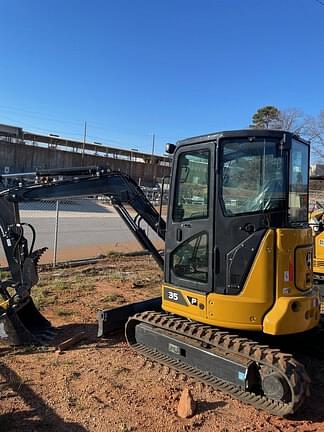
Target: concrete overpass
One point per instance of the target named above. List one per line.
(24, 151)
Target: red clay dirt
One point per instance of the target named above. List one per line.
(102, 385)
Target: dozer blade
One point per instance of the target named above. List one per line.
(114, 320)
(25, 325)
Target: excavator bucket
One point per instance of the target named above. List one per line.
(25, 325)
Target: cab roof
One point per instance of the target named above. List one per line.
(242, 133)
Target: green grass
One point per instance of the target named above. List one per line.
(83, 287)
(114, 298)
(43, 297)
(117, 275)
(60, 285)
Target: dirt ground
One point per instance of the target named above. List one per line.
(102, 385)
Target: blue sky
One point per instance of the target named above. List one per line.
(176, 68)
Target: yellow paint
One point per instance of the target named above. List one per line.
(318, 265)
(293, 315)
(243, 311)
(316, 217)
(293, 245)
(270, 301)
(4, 305)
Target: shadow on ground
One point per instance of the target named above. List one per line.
(39, 417)
(67, 331)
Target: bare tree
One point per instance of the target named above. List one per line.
(270, 117)
(293, 120)
(315, 133)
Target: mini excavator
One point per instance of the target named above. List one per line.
(316, 221)
(237, 263)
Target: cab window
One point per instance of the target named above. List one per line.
(298, 182)
(192, 186)
(253, 177)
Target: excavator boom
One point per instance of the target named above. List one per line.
(23, 260)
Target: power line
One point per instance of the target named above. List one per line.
(32, 116)
(320, 2)
(26, 113)
(71, 123)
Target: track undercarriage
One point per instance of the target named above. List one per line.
(256, 374)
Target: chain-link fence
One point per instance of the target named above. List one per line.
(78, 229)
(88, 227)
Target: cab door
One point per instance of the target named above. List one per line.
(190, 231)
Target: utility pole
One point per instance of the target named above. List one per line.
(84, 141)
(56, 233)
(153, 144)
(152, 161)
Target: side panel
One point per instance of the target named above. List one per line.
(294, 261)
(297, 305)
(243, 311)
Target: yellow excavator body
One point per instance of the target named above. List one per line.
(316, 218)
(283, 261)
(318, 266)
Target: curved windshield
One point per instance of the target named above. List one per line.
(252, 176)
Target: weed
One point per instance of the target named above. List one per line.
(121, 370)
(116, 385)
(113, 254)
(118, 275)
(83, 284)
(78, 279)
(64, 312)
(114, 298)
(61, 285)
(125, 428)
(87, 286)
(39, 299)
(46, 292)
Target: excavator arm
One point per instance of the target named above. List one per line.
(23, 260)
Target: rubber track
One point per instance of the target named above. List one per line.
(292, 371)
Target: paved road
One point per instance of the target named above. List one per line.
(81, 235)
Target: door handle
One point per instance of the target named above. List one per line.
(179, 235)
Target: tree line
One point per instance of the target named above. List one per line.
(294, 120)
